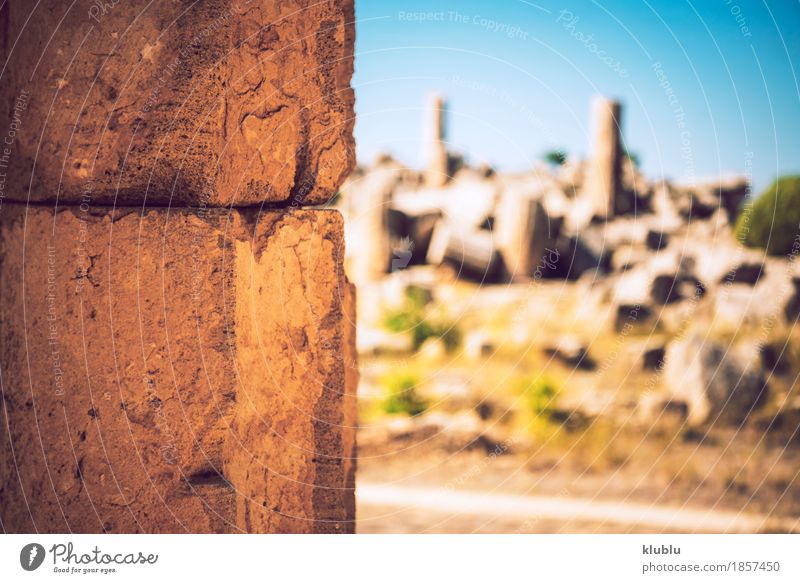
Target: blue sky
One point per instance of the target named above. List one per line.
(708, 86)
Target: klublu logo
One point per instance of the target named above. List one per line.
(31, 556)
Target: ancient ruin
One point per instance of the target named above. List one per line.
(175, 357)
(654, 259)
(605, 170)
(565, 342)
(436, 169)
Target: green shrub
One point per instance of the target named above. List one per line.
(537, 413)
(402, 396)
(540, 395)
(415, 318)
(400, 321)
(450, 335)
(772, 221)
(417, 296)
(420, 332)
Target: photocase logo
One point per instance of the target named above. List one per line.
(402, 254)
(31, 556)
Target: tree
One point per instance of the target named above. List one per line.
(772, 221)
(555, 157)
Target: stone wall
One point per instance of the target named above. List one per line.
(172, 359)
(226, 102)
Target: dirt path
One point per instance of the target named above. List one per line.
(389, 508)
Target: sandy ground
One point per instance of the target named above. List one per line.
(420, 488)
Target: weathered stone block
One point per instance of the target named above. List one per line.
(523, 232)
(175, 370)
(228, 103)
(717, 383)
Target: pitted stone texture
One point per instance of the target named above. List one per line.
(228, 103)
(351, 380)
(175, 371)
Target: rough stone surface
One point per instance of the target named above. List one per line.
(571, 352)
(605, 179)
(175, 371)
(579, 254)
(717, 384)
(791, 309)
(669, 288)
(523, 233)
(350, 420)
(368, 197)
(653, 358)
(228, 103)
(747, 273)
(629, 316)
(656, 240)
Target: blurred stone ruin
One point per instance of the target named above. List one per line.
(654, 260)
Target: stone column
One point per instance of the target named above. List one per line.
(436, 167)
(368, 200)
(605, 173)
(522, 230)
(172, 358)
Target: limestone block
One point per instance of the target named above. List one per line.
(367, 199)
(166, 370)
(718, 383)
(523, 233)
(225, 102)
(472, 253)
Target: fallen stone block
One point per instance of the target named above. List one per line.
(215, 102)
(776, 357)
(523, 232)
(579, 254)
(669, 288)
(746, 273)
(572, 353)
(471, 254)
(656, 240)
(629, 316)
(714, 381)
(170, 370)
(791, 308)
(653, 358)
(412, 236)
